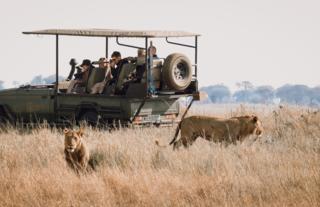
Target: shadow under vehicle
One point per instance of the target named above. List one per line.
(153, 100)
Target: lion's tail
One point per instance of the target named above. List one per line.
(158, 144)
(176, 134)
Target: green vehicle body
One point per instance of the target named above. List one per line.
(38, 103)
(34, 104)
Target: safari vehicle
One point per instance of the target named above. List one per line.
(154, 100)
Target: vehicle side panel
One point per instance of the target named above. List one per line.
(114, 107)
(28, 104)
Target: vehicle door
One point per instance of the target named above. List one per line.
(38, 103)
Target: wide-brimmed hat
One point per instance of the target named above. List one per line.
(86, 62)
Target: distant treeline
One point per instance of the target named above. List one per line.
(248, 93)
(37, 80)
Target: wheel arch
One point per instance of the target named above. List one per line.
(82, 108)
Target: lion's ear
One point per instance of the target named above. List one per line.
(255, 119)
(80, 132)
(65, 131)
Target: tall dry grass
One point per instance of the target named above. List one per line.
(280, 169)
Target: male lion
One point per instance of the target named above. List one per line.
(216, 129)
(76, 153)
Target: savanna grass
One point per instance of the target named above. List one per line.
(280, 169)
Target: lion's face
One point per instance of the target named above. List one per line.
(255, 126)
(72, 139)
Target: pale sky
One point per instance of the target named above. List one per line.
(269, 42)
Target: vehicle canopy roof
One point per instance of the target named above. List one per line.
(112, 33)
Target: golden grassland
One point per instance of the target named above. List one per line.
(282, 168)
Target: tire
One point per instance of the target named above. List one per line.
(3, 117)
(90, 117)
(177, 71)
(3, 121)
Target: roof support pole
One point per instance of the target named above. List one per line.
(196, 56)
(147, 64)
(107, 47)
(195, 47)
(125, 45)
(180, 44)
(57, 74)
(150, 65)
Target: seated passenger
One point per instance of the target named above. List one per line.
(99, 87)
(73, 64)
(115, 64)
(141, 65)
(152, 51)
(141, 58)
(102, 62)
(136, 75)
(83, 71)
(140, 61)
(81, 77)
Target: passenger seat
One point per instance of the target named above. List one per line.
(97, 75)
(124, 72)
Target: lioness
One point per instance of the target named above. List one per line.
(76, 153)
(216, 129)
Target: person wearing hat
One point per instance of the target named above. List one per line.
(82, 75)
(83, 70)
(99, 87)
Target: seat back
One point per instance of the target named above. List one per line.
(63, 85)
(125, 70)
(97, 75)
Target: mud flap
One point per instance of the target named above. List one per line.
(138, 111)
(178, 127)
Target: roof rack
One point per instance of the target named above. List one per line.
(112, 33)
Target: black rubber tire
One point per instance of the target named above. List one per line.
(3, 121)
(177, 71)
(90, 117)
(3, 117)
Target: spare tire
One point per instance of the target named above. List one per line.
(177, 71)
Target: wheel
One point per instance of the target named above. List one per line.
(177, 71)
(3, 117)
(3, 121)
(90, 117)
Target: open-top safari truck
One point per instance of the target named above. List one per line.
(154, 100)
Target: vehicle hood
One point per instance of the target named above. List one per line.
(8, 91)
